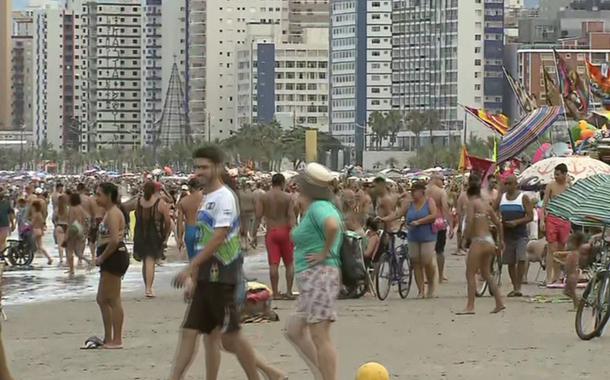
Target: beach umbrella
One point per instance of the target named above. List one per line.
(541, 152)
(589, 197)
(579, 167)
(528, 129)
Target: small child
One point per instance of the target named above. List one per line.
(580, 256)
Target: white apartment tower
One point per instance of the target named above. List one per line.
(286, 82)
(360, 67)
(446, 56)
(113, 33)
(217, 29)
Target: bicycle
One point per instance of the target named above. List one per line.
(496, 275)
(393, 268)
(597, 293)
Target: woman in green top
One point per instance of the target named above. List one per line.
(317, 240)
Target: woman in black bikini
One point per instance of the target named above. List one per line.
(113, 260)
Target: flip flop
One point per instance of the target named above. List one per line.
(496, 311)
(464, 313)
(92, 343)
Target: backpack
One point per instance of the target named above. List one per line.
(350, 257)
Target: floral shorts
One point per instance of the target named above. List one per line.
(318, 290)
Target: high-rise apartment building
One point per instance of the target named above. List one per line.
(445, 56)
(22, 70)
(360, 67)
(112, 38)
(164, 41)
(216, 30)
(299, 15)
(286, 82)
(5, 64)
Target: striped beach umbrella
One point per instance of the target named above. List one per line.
(526, 131)
(589, 197)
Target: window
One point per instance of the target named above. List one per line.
(477, 62)
(477, 37)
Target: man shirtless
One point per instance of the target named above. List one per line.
(247, 208)
(386, 203)
(96, 214)
(277, 207)
(490, 193)
(437, 192)
(187, 210)
(557, 229)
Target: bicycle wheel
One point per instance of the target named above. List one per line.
(593, 313)
(496, 275)
(19, 256)
(383, 276)
(496, 272)
(405, 276)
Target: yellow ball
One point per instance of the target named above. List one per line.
(372, 371)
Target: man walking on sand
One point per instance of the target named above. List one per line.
(437, 192)
(212, 278)
(517, 211)
(557, 229)
(276, 206)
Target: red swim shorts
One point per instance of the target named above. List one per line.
(557, 230)
(279, 246)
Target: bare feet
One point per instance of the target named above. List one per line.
(112, 346)
(273, 374)
(498, 309)
(149, 293)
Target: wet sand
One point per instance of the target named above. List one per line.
(414, 339)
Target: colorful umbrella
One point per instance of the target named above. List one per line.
(579, 167)
(541, 152)
(587, 198)
(527, 130)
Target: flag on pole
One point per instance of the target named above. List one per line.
(526, 101)
(496, 122)
(563, 75)
(464, 164)
(599, 76)
(495, 156)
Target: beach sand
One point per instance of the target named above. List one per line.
(414, 339)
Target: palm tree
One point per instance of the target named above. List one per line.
(393, 124)
(379, 126)
(415, 121)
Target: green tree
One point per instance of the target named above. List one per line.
(379, 127)
(415, 122)
(393, 121)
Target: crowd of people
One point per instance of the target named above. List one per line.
(216, 219)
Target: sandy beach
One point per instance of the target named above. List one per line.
(414, 339)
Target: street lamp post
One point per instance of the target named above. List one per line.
(359, 143)
(21, 130)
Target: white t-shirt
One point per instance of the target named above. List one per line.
(220, 210)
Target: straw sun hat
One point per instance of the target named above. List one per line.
(314, 182)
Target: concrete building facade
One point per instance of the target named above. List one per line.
(216, 30)
(286, 82)
(447, 56)
(360, 67)
(114, 64)
(164, 40)
(22, 71)
(593, 44)
(5, 64)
